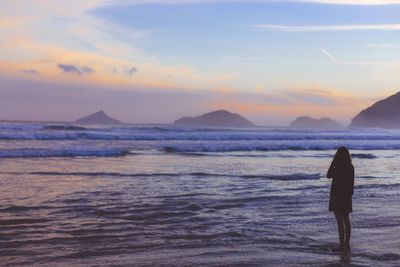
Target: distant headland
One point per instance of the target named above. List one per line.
(383, 114)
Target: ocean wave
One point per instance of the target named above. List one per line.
(364, 156)
(20, 127)
(190, 149)
(29, 221)
(64, 128)
(44, 153)
(284, 177)
(280, 155)
(70, 132)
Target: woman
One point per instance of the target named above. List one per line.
(340, 201)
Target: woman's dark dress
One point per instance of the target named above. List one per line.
(342, 187)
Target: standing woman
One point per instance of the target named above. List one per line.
(340, 201)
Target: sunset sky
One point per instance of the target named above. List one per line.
(156, 61)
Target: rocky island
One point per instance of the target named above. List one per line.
(99, 118)
(323, 123)
(219, 118)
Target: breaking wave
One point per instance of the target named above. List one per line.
(182, 149)
(64, 128)
(283, 177)
(43, 153)
(72, 132)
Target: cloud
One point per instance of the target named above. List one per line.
(318, 91)
(352, 2)
(314, 97)
(79, 35)
(30, 71)
(330, 28)
(128, 71)
(69, 68)
(383, 46)
(186, 2)
(329, 55)
(132, 71)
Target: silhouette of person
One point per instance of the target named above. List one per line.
(341, 171)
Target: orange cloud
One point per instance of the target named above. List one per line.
(153, 75)
(339, 105)
(24, 45)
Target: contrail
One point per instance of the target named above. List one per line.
(328, 55)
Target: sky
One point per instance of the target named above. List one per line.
(155, 61)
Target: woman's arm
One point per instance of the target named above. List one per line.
(331, 170)
(352, 180)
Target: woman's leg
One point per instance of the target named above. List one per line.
(340, 223)
(347, 228)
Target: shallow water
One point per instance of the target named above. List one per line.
(232, 198)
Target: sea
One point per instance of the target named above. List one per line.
(160, 195)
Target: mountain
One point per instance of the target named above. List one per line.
(219, 118)
(99, 117)
(323, 123)
(382, 114)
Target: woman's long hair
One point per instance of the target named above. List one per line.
(343, 156)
